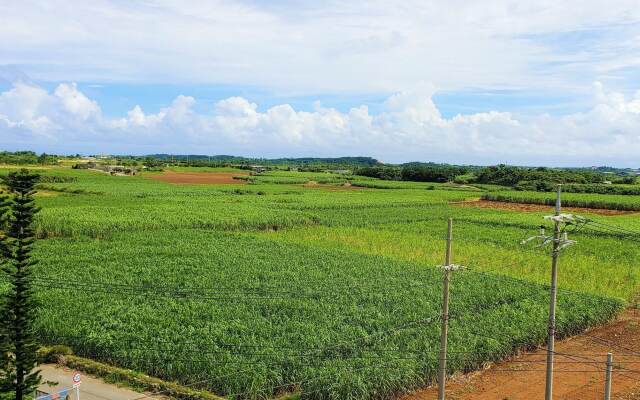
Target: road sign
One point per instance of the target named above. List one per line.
(77, 378)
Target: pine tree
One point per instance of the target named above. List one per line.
(5, 355)
(18, 340)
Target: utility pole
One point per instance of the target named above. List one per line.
(559, 241)
(447, 268)
(607, 381)
(548, 393)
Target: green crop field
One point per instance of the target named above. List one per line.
(267, 287)
(589, 200)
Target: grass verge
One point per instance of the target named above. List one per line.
(135, 380)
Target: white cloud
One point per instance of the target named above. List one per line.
(76, 103)
(25, 106)
(327, 46)
(410, 127)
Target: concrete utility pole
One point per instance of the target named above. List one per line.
(548, 394)
(559, 242)
(607, 381)
(448, 267)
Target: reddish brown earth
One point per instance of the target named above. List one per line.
(534, 207)
(579, 369)
(218, 178)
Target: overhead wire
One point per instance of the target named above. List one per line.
(367, 337)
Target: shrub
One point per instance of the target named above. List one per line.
(51, 354)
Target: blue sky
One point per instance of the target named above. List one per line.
(116, 99)
(482, 82)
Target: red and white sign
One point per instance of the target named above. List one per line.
(77, 378)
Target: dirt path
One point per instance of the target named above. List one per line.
(90, 388)
(218, 178)
(523, 378)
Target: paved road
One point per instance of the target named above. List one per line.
(90, 389)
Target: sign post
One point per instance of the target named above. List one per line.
(77, 380)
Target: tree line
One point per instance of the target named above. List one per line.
(522, 178)
(413, 172)
(26, 158)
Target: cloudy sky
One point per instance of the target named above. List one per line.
(468, 82)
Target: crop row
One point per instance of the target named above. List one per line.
(586, 200)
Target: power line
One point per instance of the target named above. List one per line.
(278, 359)
(616, 227)
(568, 355)
(393, 330)
(325, 286)
(306, 381)
(238, 296)
(203, 348)
(611, 343)
(380, 333)
(601, 227)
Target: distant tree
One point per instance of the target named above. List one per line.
(151, 162)
(43, 158)
(501, 175)
(431, 173)
(380, 172)
(5, 355)
(18, 309)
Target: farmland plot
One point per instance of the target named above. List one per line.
(267, 313)
(272, 287)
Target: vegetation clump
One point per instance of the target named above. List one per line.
(18, 345)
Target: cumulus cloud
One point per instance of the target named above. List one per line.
(409, 127)
(26, 107)
(75, 103)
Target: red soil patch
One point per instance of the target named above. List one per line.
(217, 178)
(523, 377)
(535, 207)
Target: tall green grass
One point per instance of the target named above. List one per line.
(586, 200)
(304, 298)
(353, 263)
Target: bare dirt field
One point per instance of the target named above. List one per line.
(204, 178)
(534, 207)
(579, 369)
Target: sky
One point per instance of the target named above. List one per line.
(467, 82)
